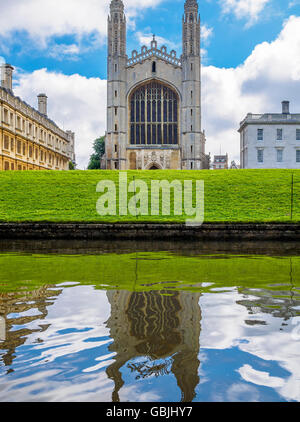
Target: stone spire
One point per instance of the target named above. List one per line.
(191, 4)
(117, 29)
(117, 5)
(191, 29)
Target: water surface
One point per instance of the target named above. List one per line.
(91, 322)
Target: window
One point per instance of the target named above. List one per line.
(116, 128)
(191, 166)
(153, 115)
(298, 156)
(18, 122)
(6, 165)
(279, 135)
(192, 149)
(116, 165)
(12, 145)
(154, 67)
(6, 142)
(279, 156)
(116, 148)
(191, 111)
(191, 66)
(116, 67)
(116, 94)
(260, 155)
(297, 134)
(116, 111)
(5, 115)
(260, 134)
(19, 147)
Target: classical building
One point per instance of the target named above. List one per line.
(270, 140)
(220, 162)
(154, 99)
(29, 140)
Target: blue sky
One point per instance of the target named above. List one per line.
(47, 38)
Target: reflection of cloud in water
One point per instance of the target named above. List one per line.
(87, 388)
(250, 374)
(70, 331)
(241, 392)
(223, 327)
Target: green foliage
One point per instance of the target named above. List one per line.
(99, 150)
(71, 165)
(230, 195)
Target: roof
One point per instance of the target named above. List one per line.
(270, 118)
(8, 91)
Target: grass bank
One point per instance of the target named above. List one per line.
(230, 195)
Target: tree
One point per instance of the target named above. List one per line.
(71, 165)
(99, 150)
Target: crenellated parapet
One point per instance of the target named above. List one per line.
(154, 51)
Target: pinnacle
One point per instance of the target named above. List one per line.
(117, 4)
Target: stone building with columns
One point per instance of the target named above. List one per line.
(29, 140)
(154, 99)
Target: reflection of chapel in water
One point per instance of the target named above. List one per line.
(157, 325)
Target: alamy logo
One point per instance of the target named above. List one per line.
(138, 198)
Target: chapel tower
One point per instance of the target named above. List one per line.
(116, 86)
(192, 137)
(154, 99)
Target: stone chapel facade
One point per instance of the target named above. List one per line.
(154, 99)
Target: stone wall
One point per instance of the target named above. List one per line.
(149, 231)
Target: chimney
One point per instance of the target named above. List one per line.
(285, 107)
(71, 138)
(6, 76)
(42, 101)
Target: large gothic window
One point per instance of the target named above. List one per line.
(153, 115)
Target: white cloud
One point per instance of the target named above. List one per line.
(48, 18)
(75, 103)
(206, 33)
(244, 9)
(269, 75)
(293, 3)
(146, 38)
(2, 60)
(61, 51)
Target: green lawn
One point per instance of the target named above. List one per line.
(230, 195)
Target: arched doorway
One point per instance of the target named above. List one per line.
(153, 166)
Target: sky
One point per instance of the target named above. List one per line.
(250, 59)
